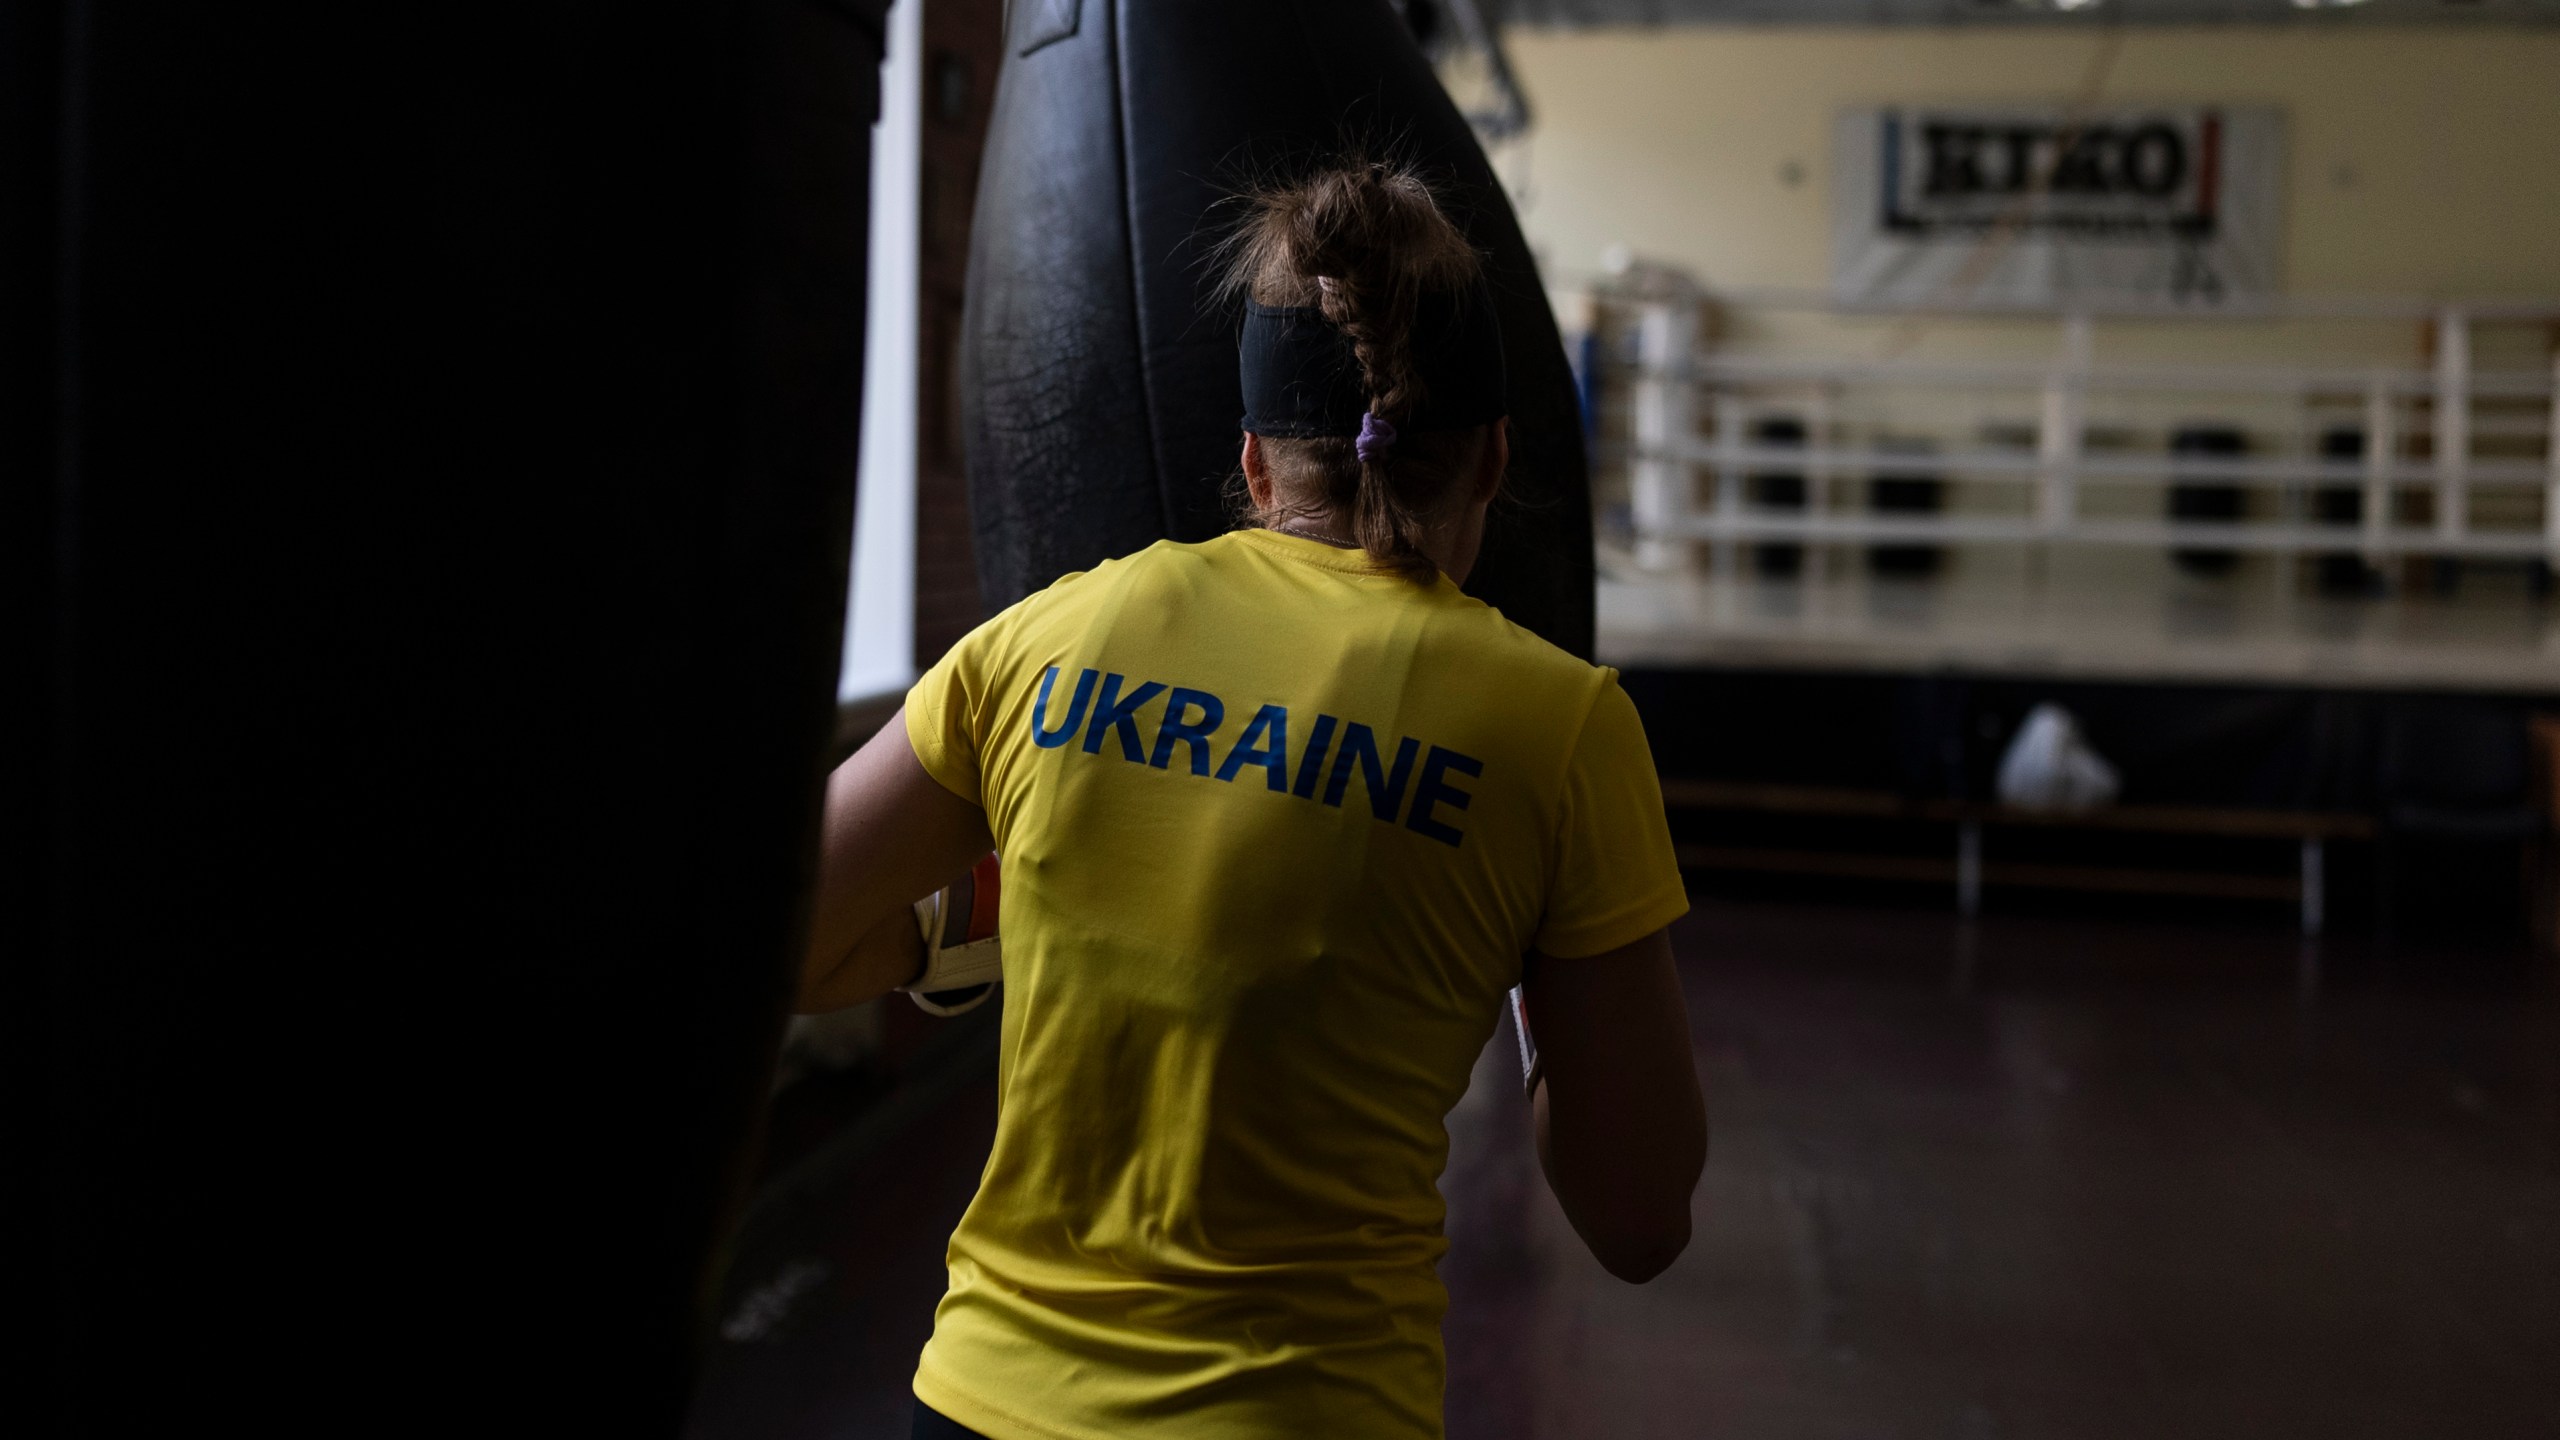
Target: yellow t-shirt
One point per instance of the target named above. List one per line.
(1276, 831)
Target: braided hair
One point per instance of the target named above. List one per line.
(1362, 241)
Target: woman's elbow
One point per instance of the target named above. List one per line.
(1653, 1228)
(1636, 1253)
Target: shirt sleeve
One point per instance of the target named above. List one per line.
(947, 714)
(1616, 879)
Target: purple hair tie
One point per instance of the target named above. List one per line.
(1376, 436)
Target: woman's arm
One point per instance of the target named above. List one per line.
(892, 836)
(1622, 1124)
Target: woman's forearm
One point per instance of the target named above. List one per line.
(892, 835)
(888, 955)
(1621, 1121)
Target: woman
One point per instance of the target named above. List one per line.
(1280, 816)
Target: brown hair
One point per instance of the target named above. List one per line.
(1362, 240)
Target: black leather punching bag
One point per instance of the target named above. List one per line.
(1099, 390)
(427, 465)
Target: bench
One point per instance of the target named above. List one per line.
(2309, 830)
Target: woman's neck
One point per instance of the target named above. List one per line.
(1450, 544)
(1308, 529)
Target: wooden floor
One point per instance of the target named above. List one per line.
(2033, 1176)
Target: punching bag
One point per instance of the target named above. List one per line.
(1099, 390)
(429, 458)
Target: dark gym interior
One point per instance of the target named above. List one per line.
(469, 475)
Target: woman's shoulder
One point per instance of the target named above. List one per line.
(1081, 585)
(1469, 632)
(1519, 648)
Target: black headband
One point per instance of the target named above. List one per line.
(1301, 380)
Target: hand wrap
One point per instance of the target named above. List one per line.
(959, 976)
(1531, 1071)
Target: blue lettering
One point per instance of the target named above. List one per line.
(1212, 710)
(1111, 712)
(1270, 724)
(1433, 790)
(1193, 717)
(1386, 792)
(1041, 735)
(1312, 764)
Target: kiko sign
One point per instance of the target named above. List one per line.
(2177, 207)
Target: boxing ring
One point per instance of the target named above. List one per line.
(2289, 568)
(2489, 637)
(2295, 494)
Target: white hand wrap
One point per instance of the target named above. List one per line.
(972, 968)
(1529, 1070)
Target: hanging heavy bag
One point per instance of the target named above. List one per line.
(1099, 386)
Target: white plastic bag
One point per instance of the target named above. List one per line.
(2051, 767)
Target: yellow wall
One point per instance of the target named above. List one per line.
(2423, 161)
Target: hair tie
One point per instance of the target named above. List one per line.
(1376, 436)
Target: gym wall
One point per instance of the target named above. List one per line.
(2421, 160)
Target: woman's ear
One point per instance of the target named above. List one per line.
(1257, 472)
